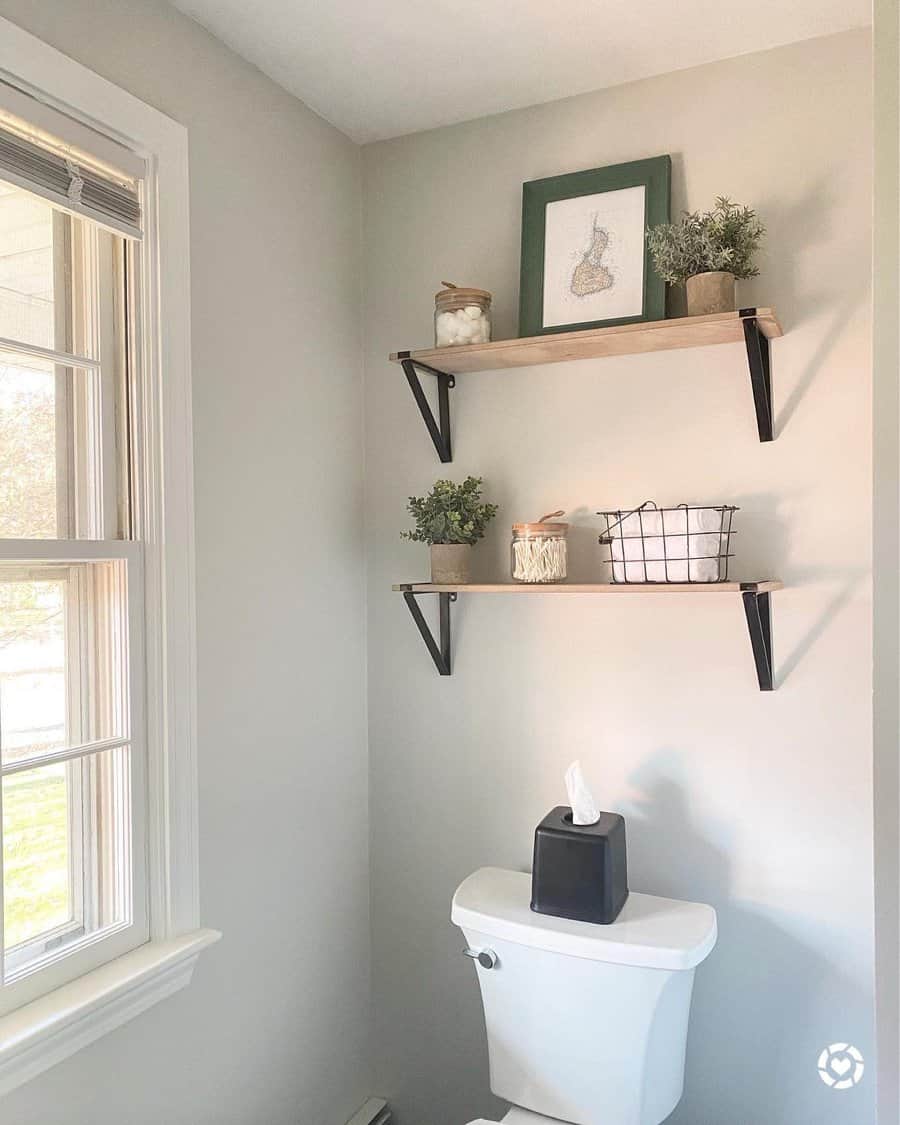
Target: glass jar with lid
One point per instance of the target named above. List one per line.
(539, 550)
(461, 316)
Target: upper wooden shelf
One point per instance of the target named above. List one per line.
(623, 339)
(752, 327)
(766, 586)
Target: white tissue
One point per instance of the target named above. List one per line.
(584, 811)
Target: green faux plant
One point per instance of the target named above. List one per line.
(450, 513)
(724, 239)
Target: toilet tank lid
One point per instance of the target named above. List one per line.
(650, 932)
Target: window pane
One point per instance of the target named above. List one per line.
(33, 694)
(32, 261)
(66, 856)
(63, 671)
(36, 853)
(64, 437)
(32, 472)
(52, 452)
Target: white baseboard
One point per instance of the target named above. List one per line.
(376, 1111)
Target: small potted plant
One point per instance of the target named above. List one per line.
(706, 252)
(451, 519)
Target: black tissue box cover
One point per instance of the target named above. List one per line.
(580, 870)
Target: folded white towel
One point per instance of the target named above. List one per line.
(666, 547)
(697, 570)
(673, 545)
(671, 521)
(645, 522)
(705, 519)
(647, 548)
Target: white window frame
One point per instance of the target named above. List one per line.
(51, 1028)
(39, 959)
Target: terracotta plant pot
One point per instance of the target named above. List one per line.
(450, 563)
(710, 293)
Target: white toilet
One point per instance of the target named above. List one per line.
(586, 1024)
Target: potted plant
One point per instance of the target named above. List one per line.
(706, 252)
(451, 519)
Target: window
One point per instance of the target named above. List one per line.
(74, 886)
(99, 915)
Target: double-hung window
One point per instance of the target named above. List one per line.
(99, 914)
(72, 738)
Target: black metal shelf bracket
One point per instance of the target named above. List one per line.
(757, 610)
(439, 429)
(759, 623)
(440, 653)
(760, 372)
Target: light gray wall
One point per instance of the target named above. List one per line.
(758, 804)
(273, 1029)
(887, 552)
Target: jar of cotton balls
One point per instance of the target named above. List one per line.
(461, 316)
(539, 550)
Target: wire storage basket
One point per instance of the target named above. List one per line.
(689, 543)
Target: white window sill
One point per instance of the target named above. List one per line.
(43, 1033)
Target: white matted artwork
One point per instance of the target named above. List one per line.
(594, 257)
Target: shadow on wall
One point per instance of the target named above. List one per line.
(840, 317)
(802, 224)
(764, 550)
(758, 1011)
(795, 225)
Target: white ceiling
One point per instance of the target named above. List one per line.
(382, 68)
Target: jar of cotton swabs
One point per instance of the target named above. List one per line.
(538, 550)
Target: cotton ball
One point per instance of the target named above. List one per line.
(465, 331)
(445, 329)
(473, 312)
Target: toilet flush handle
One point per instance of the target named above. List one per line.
(486, 958)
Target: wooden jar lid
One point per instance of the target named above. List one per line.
(455, 296)
(543, 526)
(548, 529)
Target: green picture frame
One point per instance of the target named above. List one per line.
(655, 176)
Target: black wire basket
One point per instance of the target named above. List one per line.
(650, 545)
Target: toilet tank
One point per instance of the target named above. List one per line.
(585, 1023)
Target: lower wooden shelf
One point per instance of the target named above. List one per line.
(754, 595)
(764, 587)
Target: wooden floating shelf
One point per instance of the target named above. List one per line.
(765, 587)
(753, 327)
(595, 343)
(754, 595)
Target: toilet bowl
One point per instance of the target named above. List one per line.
(523, 1117)
(519, 1117)
(586, 1024)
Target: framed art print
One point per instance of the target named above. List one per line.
(585, 262)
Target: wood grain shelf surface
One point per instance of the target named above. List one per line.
(765, 586)
(623, 339)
